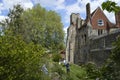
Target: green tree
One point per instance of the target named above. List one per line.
(19, 60)
(14, 21)
(26, 35)
(110, 6)
(37, 25)
(44, 26)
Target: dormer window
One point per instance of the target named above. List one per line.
(100, 22)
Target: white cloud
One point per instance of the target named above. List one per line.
(117, 1)
(65, 30)
(1, 7)
(110, 16)
(67, 19)
(73, 8)
(56, 4)
(45, 3)
(27, 5)
(93, 4)
(9, 4)
(3, 18)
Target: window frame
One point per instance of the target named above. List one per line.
(100, 22)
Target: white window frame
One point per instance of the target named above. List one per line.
(100, 22)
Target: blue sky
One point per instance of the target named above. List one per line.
(63, 7)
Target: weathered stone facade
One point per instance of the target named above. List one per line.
(90, 39)
(101, 46)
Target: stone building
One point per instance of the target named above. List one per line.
(91, 39)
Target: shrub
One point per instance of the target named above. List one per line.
(92, 71)
(56, 57)
(57, 68)
(19, 60)
(110, 71)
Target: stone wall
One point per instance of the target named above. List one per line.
(84, 45)
(72, 41)
(101, 47)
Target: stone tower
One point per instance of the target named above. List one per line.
(71, 38)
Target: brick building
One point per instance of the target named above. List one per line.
(81, 35)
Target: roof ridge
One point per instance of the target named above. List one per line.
(95, 11)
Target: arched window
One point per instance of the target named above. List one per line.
(100, 22)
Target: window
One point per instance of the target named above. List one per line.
(100, 22)
(85, 38)
(100, 31)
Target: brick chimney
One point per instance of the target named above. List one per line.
(117, 18)
(88, 15)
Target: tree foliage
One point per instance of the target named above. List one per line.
(56, 57)
(19, 60)
(116, 52)
(26, 37)
(110, 6)
(14, 21)
(37, 25)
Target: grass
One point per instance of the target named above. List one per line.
(76, 72)
(59, 72)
